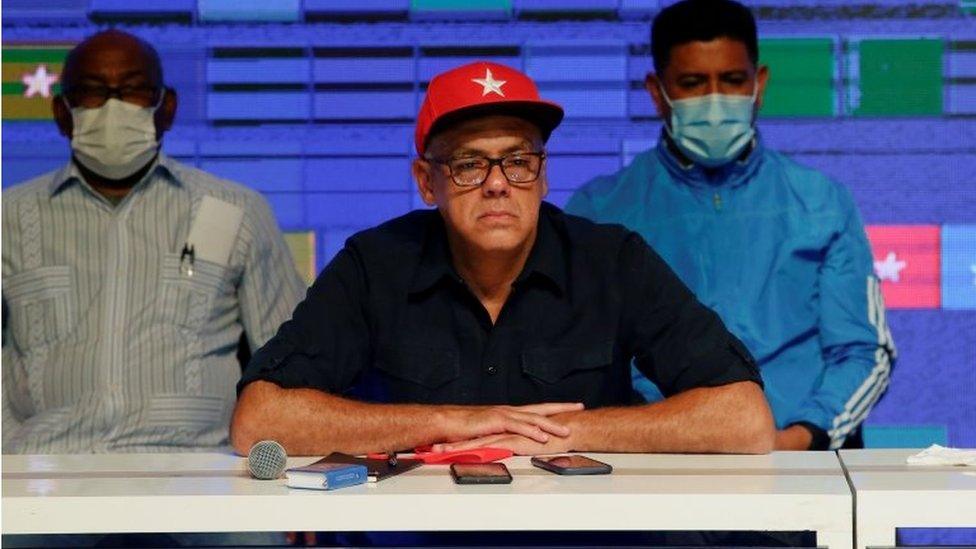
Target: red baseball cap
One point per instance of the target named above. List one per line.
(480, 89)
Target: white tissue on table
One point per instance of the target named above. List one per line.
(940, 455)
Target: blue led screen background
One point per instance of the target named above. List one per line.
(311, 102)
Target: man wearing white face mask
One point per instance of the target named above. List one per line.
(777, 249)
(128, 277)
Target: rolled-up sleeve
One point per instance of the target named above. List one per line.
(677, 342)
(325, 345)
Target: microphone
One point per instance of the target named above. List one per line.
(266, 460)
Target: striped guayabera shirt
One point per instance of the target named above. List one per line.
(115, 340)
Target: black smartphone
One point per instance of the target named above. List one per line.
(480, 473)
(572, 465)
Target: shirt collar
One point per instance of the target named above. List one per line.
(547, 258)
(69, 173)
(435, 257)
(733, 174)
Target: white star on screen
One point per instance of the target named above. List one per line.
(890, 268)
(39, 83)
(489, 84)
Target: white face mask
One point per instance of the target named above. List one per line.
(713, 129)
(116, 139)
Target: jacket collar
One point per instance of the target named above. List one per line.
(733, 174)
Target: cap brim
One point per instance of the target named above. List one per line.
(543, 114)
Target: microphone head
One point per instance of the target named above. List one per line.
(266, 460)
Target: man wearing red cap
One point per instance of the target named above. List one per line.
(497, 320)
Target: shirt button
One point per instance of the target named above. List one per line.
(491, 370)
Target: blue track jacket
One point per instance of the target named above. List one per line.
(779, 252)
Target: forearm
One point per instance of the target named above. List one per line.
(312, 422)
(733, 418)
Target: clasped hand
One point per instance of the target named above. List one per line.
(525, 430)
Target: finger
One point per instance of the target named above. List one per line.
(551, 408)
(527, 426)
(473, 443)
(449, 446)
(543, 423)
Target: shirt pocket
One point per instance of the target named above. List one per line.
(418, 373)
(185, 300)
(43, 306)
(571, 373)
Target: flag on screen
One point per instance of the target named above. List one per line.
(959, 266)
(907, 261)
(31, 77)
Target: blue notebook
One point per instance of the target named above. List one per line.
(323, 475)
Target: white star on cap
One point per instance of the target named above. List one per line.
(890, 268)
(490, 84)
(39, 83)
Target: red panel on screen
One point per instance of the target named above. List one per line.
(907, 260)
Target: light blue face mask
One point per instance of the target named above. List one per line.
(712, 130)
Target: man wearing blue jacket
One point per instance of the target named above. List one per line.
(777, 249)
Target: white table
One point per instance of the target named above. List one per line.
(211, 492)
(890, 494)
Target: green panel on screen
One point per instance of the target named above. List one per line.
(461, 5)
(302, 246)
(801, 76)
(900, 77)
(904, 436)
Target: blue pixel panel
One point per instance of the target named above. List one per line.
(266, 174)
(588, 103)
(24, 161)
(289, 209)
(367, 69)
(356, 6)
(364, 105)
(578, 65)
(565, 5)
(51, 12)
(257, 70)
(258, 105)
(129, 7)
(959, 267)
(355, 210)
(428, 67)
(569, 172)
(353, 174)
(250, 10)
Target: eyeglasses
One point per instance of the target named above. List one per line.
(92, 97)
(471, 171)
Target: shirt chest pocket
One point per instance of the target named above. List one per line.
(574, 373)
(43, 306)
(418, 373)
(187, 300)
